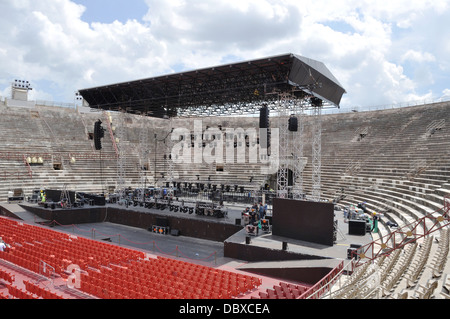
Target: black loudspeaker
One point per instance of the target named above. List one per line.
(357, 227)
(315, 101)
(98, 135)
(175, 232)
(161, 221)
(99, 200)
(352, 253)
(293, 124)
(264, 117)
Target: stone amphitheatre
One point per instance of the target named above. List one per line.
(396, 161)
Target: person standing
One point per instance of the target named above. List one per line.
(3, 245)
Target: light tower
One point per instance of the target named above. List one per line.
(20, 89)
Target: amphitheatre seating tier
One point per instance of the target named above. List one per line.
(412, 272)
(389, 148)
(108, 271)
(395, 159)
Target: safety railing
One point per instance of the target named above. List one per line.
(447, 205)
(405, 234)
(325, 284)
(30, 172)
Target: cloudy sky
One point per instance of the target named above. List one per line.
(382, 52)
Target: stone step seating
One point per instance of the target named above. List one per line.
(17, 126)
(415, 271)
(382, 136)
(399, 209)
(405, 209)
(68, 125)
(424, 278)
(394, 198)
(384, 230)
(390, 164)
(388, 167)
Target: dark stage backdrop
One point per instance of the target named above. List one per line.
(308, 221)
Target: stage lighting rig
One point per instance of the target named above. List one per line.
(22, 84)
(78, 98)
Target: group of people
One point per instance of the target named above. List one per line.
(255, 214)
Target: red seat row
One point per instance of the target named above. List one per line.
(41, 292)
(4, 296)
(284, 291)
(7, 276)
(115, 272)
(148, 278)
(19, 293)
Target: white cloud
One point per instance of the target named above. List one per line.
(382, 52)
(203, 32)
(416, 56)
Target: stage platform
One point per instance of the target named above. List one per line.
(292, 259)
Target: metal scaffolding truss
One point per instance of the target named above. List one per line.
(143, 155)
(170, 178)
(299, 161)
(120, 134)
(316, 153)
(285, 150)
(291, 143)
(211, 91)
(289, 84)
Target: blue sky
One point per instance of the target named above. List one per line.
(107, 11)
(382, 52)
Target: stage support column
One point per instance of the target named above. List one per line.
(317, 153)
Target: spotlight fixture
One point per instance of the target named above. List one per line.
(78, 97)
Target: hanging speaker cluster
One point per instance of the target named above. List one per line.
(264, 117)
(264, 124)
(99, 133)
(293, 124)
(315, 101)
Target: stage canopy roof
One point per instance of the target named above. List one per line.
(220, 89)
